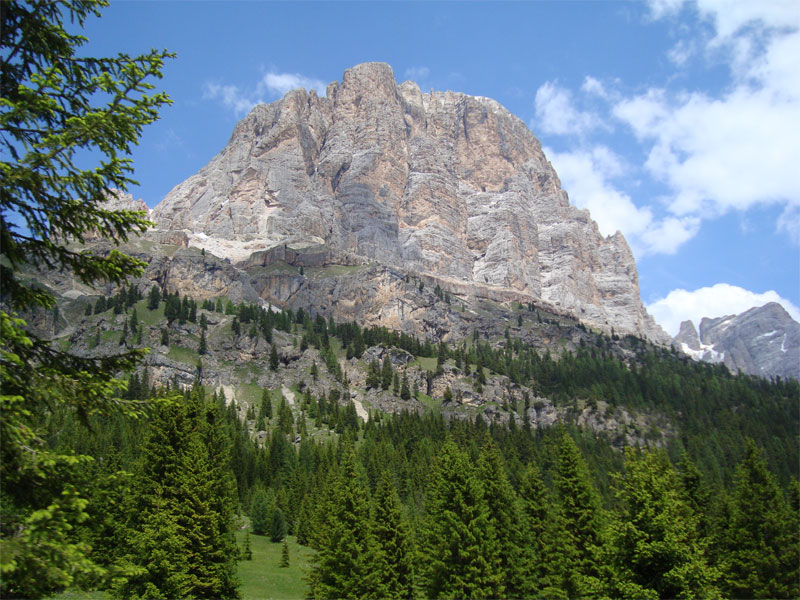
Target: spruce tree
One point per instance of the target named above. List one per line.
(153, 298)
(405, 392)
(655, 546)
(277, 526)
(579, 506)
(543, 546)
(344, 566)
(505, 516)
(394, 566)
(181, 527)
(762, 549)
(459, 550)
(284, 554)
(386, 373)
(260, 512)
(247, 549)
(273, 358)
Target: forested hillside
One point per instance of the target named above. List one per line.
(438, 503)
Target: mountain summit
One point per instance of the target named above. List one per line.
(764, 341)
(442, 185)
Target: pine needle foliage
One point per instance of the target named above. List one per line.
(57, 104)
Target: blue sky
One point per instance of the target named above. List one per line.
(676, 122)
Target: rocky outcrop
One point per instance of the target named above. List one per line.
(442, 185)
(761, 341)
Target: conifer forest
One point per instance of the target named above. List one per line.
(130, 485)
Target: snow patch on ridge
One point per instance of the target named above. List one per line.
(705, 353)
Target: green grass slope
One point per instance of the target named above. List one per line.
(263, 579)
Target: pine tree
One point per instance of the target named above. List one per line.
(386, 373)
(579, 506)
(181, 528)
(459, 552)
(344, 566)
(260, 512)
(394, 566)
(543, 546)
(654, 544)
(505, 516)
(202, 349)
(762, 550)
(273, 358)
(284, 554)
(277, 526)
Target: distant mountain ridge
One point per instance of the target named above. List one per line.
(762, 341)
(441, 185)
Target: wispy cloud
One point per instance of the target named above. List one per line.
(588, 177)
(713, 154)
(739, 149)
(231, 97)
(417, 74)
(272, 85)
(277, 84)
(556, 113)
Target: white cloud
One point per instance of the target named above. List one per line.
(594, 87)
(681, 52)
(789, 223)
(555, 113)
(417, 74)
(739, 149)
(241, 101)
(716, 301)
(231, 97)
(662, 8)
(277, 84)
(586, 175)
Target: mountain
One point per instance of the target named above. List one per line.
(762, 341)
(445, 187)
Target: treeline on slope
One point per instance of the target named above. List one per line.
(413, 505)
(710, 483)
(712, 410)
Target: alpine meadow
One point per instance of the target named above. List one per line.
(370, 350)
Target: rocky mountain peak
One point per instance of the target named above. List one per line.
(437, 184)
(763, 340)
(688, 335)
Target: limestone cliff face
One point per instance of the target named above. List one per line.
(440, 184)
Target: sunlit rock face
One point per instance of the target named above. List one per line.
(440, 184)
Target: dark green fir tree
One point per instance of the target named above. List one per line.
(762, 549)
(344, 566)
(579, 508)
(394, 565)
(506, 518)
(655, 547)
(460, 557)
